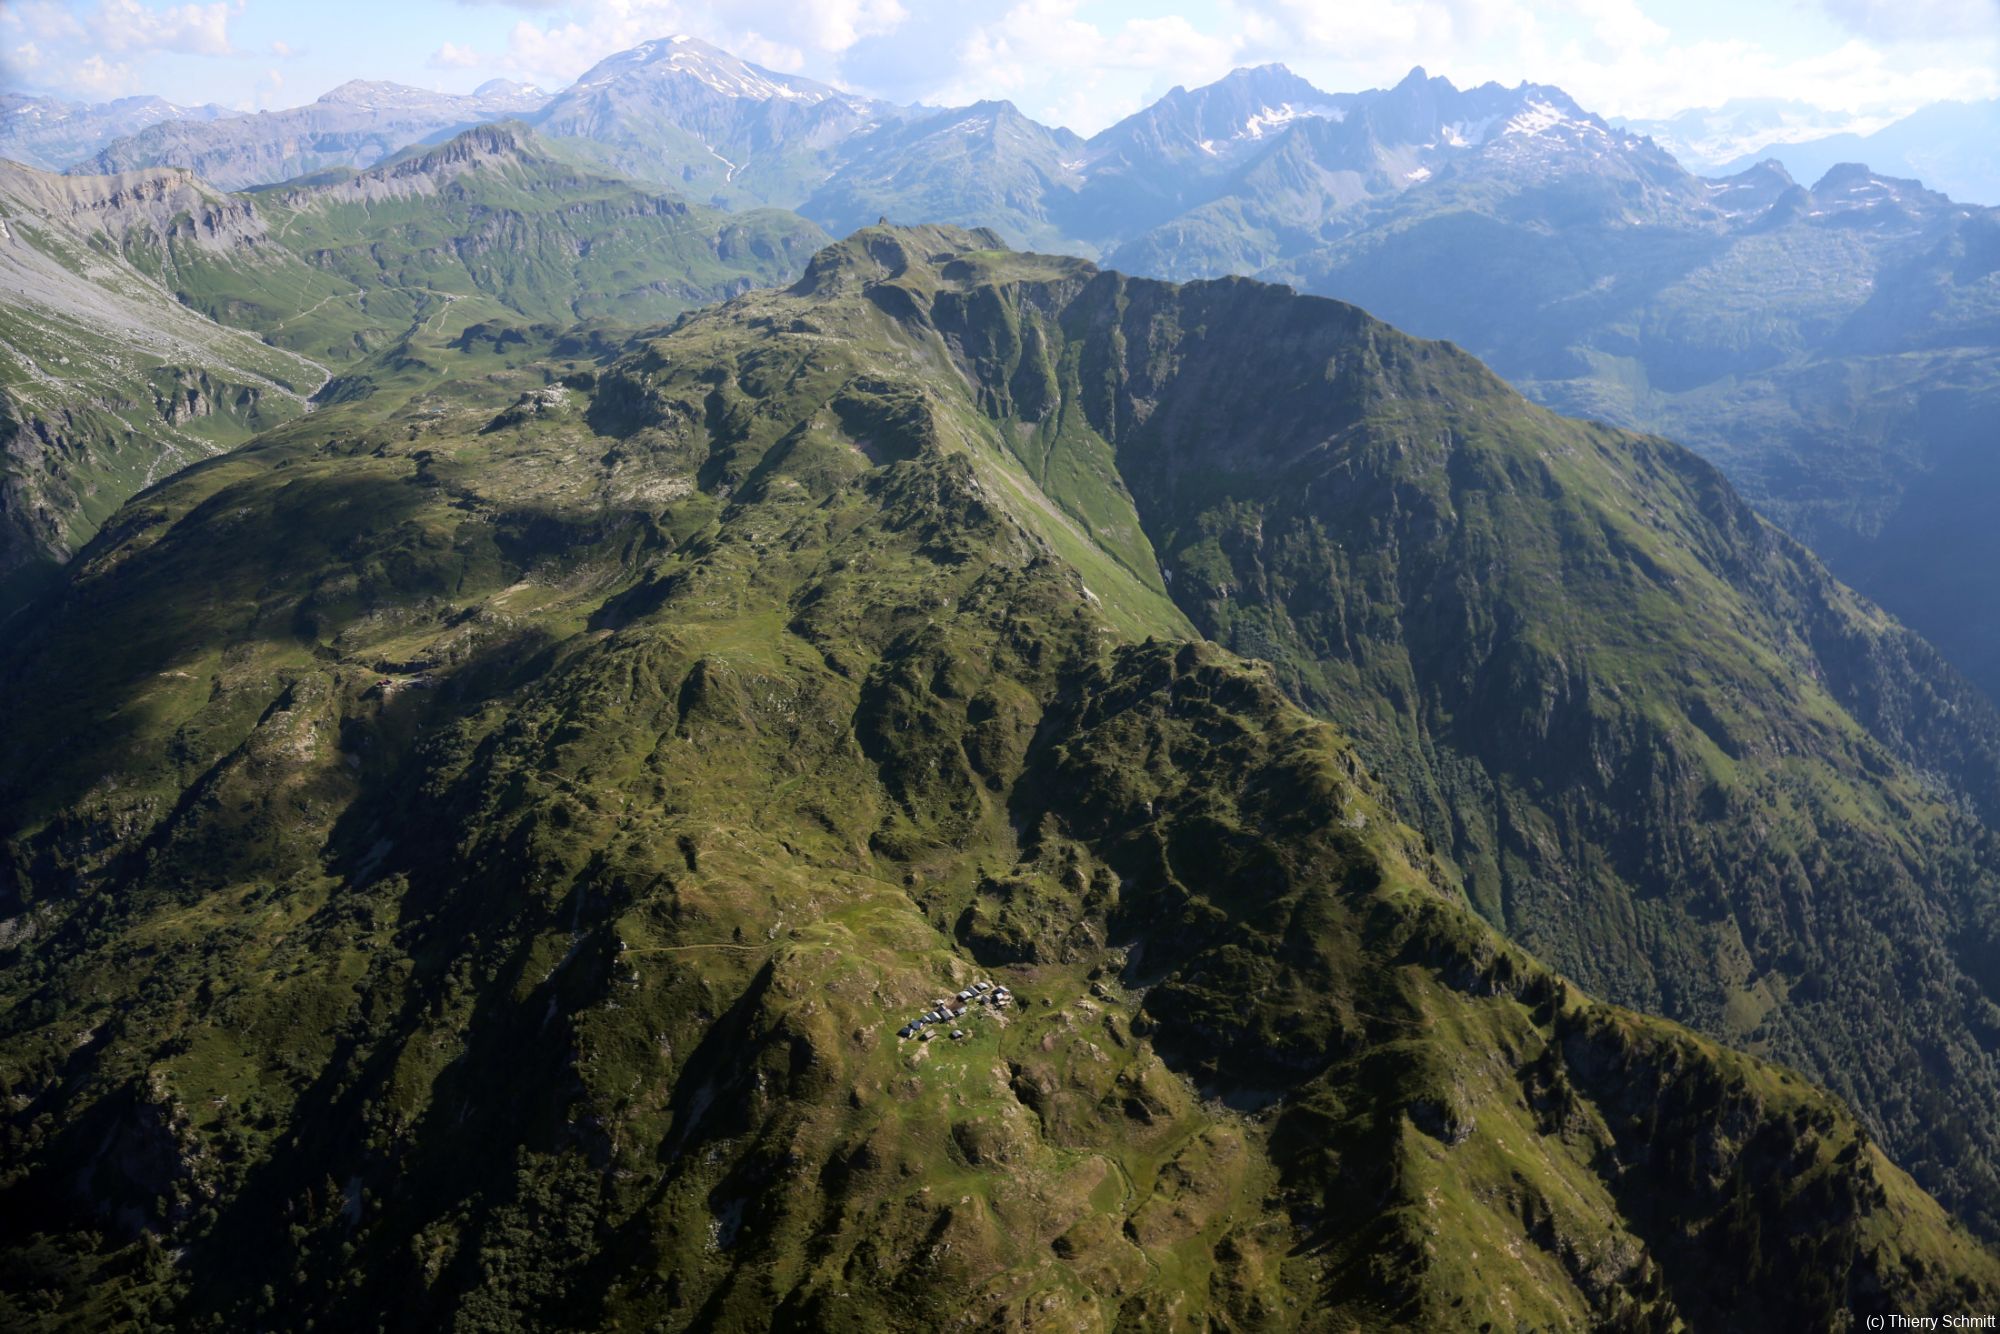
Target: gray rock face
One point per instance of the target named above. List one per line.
(107, 380)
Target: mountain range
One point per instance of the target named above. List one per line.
(1947, 145)
(516, 830)
(52, 132)
(1706, 140)
(356, 125)
(555, 696)
(1827, 340)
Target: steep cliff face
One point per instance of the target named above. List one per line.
(135, 207)
(107, 382)
(507, 838)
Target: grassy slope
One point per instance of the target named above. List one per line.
(484, 881)
(340, 276)
(1666, 749)
(495, 216)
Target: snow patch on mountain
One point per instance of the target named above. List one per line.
(1537, 117)
(1468, 133)
(1272, 118)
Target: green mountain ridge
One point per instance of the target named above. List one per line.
(1831, 347)
(474, 849)
(358, 276)
(1667, 750)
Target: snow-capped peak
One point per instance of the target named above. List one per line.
(691, 58)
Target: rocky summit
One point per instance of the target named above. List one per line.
(523, 846)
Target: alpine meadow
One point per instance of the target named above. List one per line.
(770, 691)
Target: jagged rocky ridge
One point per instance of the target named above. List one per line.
(511, 828)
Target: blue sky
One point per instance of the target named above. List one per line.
(1083, 63)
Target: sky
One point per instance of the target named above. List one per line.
(1080, 63)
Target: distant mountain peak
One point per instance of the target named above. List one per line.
(1265, 73)
(506, 88)
(370, 92)
(1845, 175)
(683, 57)
(994, 106)
(1852, 187)
(384, 95)
(1758, 189)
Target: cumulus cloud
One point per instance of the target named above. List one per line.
(1063, 67)
(96, 50)
(98, 77)
(45, 23)
(453, 56)
(127, 25)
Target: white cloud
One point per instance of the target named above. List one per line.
(1061, 67)
(453, 56)
(771, 55)
(828, 25)
(42, 20)
(96, 51)
(99, 77)
(127, 25)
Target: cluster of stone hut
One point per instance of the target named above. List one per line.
(947, 1010)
